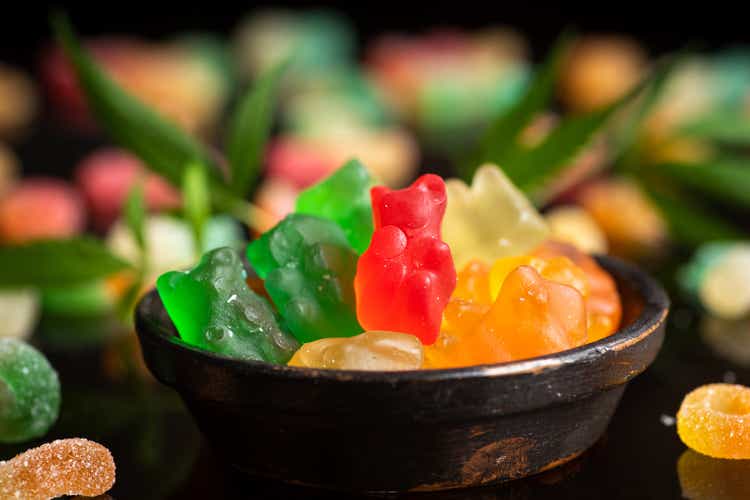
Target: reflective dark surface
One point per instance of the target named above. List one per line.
(160, 454)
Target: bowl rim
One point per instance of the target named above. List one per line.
(655, 310)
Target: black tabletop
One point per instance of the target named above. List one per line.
(108, 397)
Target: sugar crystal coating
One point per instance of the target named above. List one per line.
(63, 467)
(714, 419)
(29, 392)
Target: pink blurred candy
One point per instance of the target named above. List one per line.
(38, 208)
(300, 163)
(105, 178)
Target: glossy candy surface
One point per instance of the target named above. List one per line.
(715, 420)
(213, 308)
(309, 269)
(406, 276)
(532, 316)
(490, 219)
(373, 350)
(603, 306)
(29, 392)
(344, 198)
(64, 467)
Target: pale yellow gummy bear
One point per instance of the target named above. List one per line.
(490, 219)
(373, 350)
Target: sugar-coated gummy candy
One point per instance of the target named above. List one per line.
(714, 420)
(19, 310)
(405, 278)
(343, 197)
(373, 350)
(576, 226)
(309, 269)
(213, 308)
(64, 467)
(490, 219)
(29, 392)
(39, 208)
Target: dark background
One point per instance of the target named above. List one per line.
(659, 26)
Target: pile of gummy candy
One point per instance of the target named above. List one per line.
(365, 277)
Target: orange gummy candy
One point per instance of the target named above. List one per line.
(559, 269)
(532, 316)
(714, 419)
(603, 305)
(63, 467)
(473, 283)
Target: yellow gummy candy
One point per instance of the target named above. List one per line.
(558, 269)
(490, 219)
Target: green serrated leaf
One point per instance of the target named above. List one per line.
(135, 215)
(502, 134)
(249, 131)
(627, 131)
(690, 223)
(729, 127)
(727, 181)
(163, 146)
(196, 200)
(57, 263)
(531, 168)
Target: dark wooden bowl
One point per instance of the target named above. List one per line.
(410, 431)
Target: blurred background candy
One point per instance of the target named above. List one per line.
(38, 208)
(574, 225)
(316, 41)
(19, 310)
(8, 169)
(18, 101)
(106, 176)
(599, 70)
(448, 83)
(176, 79)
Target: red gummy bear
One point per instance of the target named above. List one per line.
(406, 276)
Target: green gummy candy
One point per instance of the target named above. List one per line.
(344, 198)
(213, 308)
(29, 392)
(282, 245)
(309, 270)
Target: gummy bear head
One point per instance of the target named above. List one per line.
(417, 210)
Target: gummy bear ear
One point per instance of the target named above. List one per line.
(433, 185)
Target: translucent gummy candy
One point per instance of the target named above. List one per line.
(213, 308)
(715, 420)
(374, 350)
(64, 467)
(29, 392)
